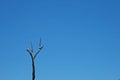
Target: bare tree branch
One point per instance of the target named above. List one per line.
(33, 56)
(31, 47)
(39, 49)
(38, 52)
(29, 51)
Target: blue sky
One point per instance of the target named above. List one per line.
(81, 39)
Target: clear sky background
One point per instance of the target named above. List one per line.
(81, 39)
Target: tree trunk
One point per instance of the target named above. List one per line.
(33, 70)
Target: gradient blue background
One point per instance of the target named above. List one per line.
(81, 39)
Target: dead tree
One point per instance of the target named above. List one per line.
(33, 56)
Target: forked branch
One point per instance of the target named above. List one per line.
(33, 56)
